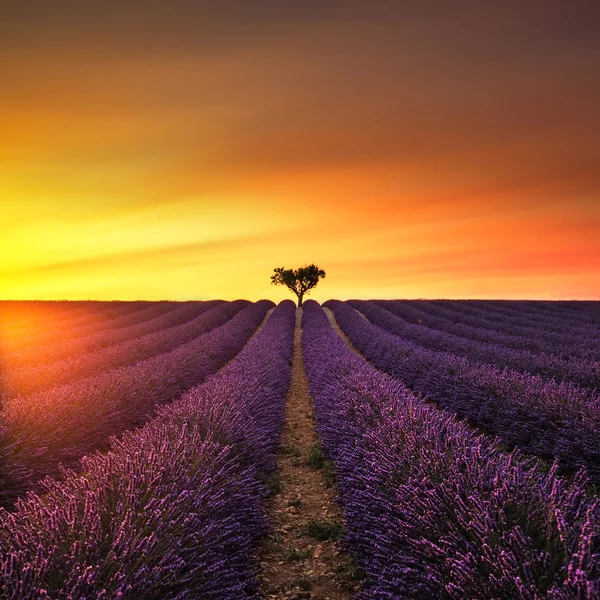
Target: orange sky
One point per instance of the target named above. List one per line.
(180, 150)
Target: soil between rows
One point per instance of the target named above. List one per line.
(294, 563)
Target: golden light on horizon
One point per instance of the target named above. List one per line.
(202, 148)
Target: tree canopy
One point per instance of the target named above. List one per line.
(300, 281)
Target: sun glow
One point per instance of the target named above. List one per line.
(389, 151)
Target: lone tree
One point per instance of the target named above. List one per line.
(300, 281)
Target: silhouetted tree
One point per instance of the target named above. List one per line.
(300, 281)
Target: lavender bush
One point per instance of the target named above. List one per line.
(548, 419)
(468, 326)
(100, 332)
(540, 310)
(555, 326)
(16, 316)
(66, 422)
(520, 334)
(42, 338)
(168, 331)
(433, 510)
(174, 509)
(577, 370)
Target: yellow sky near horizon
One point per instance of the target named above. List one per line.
(154, 154)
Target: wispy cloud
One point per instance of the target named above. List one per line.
(415, 148)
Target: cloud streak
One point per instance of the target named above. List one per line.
(418, 149)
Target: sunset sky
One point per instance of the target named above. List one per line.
(184, 149)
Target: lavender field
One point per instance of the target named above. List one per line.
(139, 442)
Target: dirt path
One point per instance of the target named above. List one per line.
(296, 563)
(338, 329)
(260, 328)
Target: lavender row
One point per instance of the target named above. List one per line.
(556, 324)
(27, 324)
(169, 331)
(471, 327)
(534, 338)
(503, 316)
(587, 307)
(24, 316)
(571, 337)
(566, 311)
(68, 421)
(50, 334)
(579, 371)
(549, 419)
(588, 310)
(433, 510)
(104, 333)
(25, 370)
(174, 510)
(19, 317)
(519, 310)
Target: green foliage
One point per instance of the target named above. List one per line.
(289, 450)
(274, 485)
(296, 502)
(294, 554)
(302, 582)
(328, 473)
(316, 458)
(351, 572)
(322, 529)
(300, 281)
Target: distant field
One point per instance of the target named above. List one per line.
(138, 439)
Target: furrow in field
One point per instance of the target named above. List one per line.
(303, 556)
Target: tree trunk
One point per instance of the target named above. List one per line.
(300, 296)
